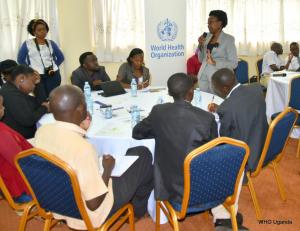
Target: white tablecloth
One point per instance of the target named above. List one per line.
(277, 97)
(113, 136)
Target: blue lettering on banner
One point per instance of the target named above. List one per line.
(167, 32)
(166, 51)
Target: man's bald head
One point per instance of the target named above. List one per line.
(67, 103)
(277, 48)
(223, 81)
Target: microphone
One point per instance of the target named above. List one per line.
(204, 34)
(279, 75)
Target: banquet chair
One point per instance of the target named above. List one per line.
(259, 74)
(278, 133)
(241, 72)
(54, 187)
(259, 68)
(294, 102)
(27, 209)
(212, 174)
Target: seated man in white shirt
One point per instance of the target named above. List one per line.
(293, 59)
(272, 62)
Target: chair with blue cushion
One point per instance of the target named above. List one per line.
(259, 68)
(212, 174)
(25, 208)
(54, 187)
(241, 72)
(294, 102)
(278, 133)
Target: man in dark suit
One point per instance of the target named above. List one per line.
(242, 114)
(177, 128)
(89, 71)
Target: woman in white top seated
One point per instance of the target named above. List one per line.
(42, 54)
(293, 59)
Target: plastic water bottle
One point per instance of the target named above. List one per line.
(133, 86)
(88, 98)
(198, 97)
(135, 115)
(90, 105)
(87, 89)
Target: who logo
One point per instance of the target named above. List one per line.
(167, 30)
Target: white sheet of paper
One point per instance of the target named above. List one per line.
(122, 164)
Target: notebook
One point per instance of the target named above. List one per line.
(122, 163)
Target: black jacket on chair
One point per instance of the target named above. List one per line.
(178, 128)
(21, 111)
(243, 117)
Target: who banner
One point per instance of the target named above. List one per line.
(165, 23)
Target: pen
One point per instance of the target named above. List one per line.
(212, 100)
(145, 83)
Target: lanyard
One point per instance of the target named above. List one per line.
(38, 48)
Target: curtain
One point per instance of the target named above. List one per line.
(14, 17)
(119, 26)
(255, 24)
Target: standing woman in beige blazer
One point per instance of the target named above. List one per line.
(217, 50)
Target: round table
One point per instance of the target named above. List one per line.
(277, 97)
(114, 136)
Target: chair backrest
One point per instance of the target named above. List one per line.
(278, 133)
(295, 93)
(241, 72)
(259, 67)
(52, 183)
(212, 173)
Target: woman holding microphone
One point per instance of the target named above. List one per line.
(217, 50)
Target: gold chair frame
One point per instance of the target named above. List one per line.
(273, 164)
(173, 215)
(48, 216)
(25, 208)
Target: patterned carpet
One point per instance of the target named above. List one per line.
(273, 208)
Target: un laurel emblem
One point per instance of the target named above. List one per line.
(167, 30)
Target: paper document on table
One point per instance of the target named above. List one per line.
(147, 89)
(118, 127)
(122, 164)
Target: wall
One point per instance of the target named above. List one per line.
(75, 28)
